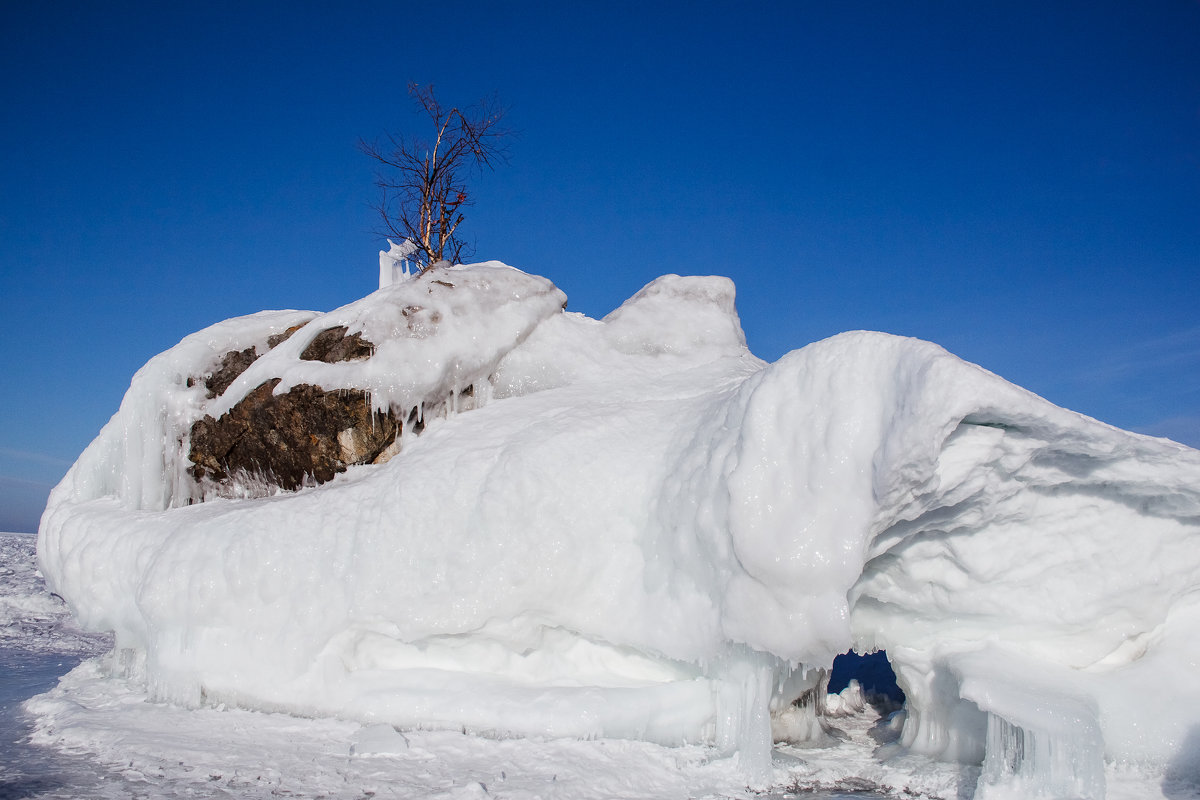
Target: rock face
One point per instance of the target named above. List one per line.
(333, 345)
(302, 437)
(305, 435)
(233, 363)
(280, 405)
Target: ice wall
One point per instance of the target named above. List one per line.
(650, 533)
(1022, 566)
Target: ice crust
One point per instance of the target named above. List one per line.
(650, 533)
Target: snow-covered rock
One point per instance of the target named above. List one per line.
(650, 533)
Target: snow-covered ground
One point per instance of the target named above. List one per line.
(636, 547)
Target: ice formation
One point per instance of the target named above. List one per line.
(649, 533)
(395, 265)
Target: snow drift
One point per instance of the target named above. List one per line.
(644, 531)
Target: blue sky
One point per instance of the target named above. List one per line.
(1017, 181)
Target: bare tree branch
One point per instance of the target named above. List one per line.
(423, 184)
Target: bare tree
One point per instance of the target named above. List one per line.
(423, 181)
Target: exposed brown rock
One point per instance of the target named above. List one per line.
(306, 435)
(333, 345)
(279, 338)
(233, 364)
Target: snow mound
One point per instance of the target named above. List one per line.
(651, 534)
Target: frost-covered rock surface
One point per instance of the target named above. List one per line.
(645, 532)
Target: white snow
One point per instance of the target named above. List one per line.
(649, 534)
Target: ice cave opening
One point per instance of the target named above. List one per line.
(873, 672)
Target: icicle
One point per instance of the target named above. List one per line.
(743, 723)
(1042, 763)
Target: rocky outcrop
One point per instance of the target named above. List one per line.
(306, 435)
(303, 436)
(352, 383)
(233, 364)
(333, 345)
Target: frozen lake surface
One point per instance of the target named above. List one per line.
(26, 770)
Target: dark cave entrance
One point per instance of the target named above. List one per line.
(873, 672)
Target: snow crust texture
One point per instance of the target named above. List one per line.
(648, 533)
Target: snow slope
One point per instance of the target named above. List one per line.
(649, 533)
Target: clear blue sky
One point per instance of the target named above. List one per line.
(1017, 181)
